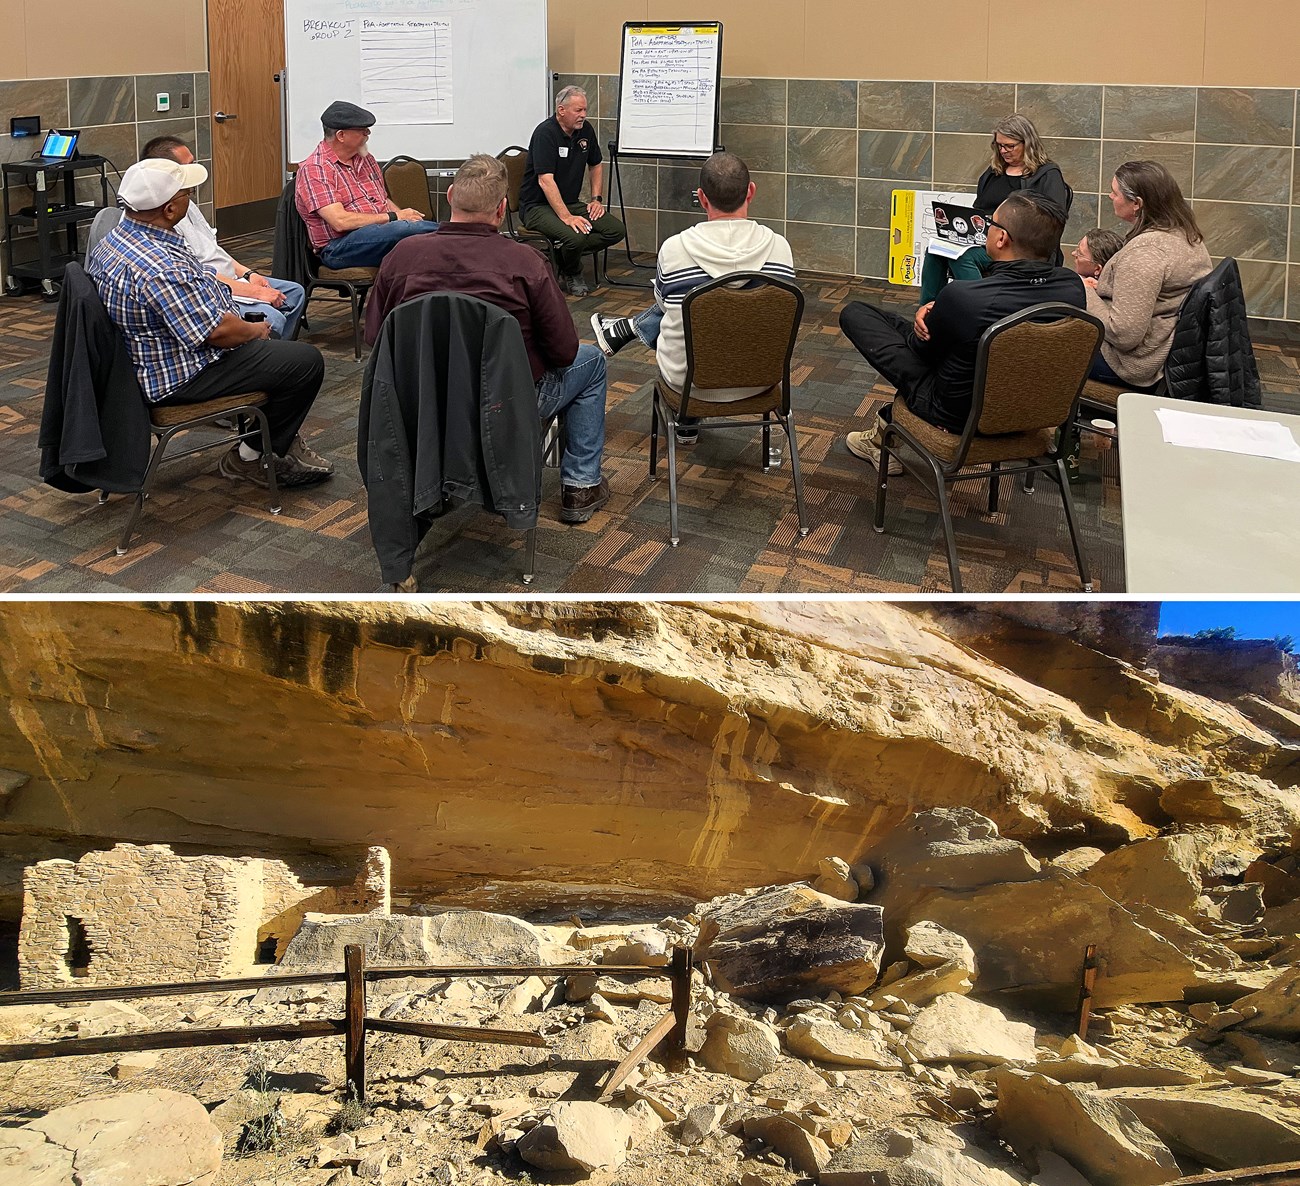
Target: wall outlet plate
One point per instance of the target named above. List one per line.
(164, 101)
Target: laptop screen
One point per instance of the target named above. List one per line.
(59, 145)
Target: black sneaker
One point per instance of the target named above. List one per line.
(612, 333)
(688, 431)
(575, 284)
(579, 503)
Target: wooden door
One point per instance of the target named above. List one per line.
(245, 52)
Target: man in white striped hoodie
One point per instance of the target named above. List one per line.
(729, 241)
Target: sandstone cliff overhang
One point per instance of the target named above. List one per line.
(642, 751)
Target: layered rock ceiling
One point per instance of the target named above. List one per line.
(643, 754)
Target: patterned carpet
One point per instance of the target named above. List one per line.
(201, 533)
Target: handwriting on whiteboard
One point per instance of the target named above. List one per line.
(327, 30)
(669, 91)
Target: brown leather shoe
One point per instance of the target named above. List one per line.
(579, 503)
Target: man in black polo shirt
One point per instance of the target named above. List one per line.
(930, 360)
(559, 154)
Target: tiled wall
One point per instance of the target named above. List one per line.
(825, 155)
(116, 117)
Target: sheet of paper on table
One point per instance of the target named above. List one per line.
(1256, 438)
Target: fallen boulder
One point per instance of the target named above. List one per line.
(824, 1041)
(577, 1135)
(1101, 1138)
(952, 848)
(1274, 1010)
(835, 880)
(775, 943)
(454, 937)
(1222, 1129)
(1030, 937)
(931, 1156)
(783, 1133)
(955, 1028)
(740, 1047)
(1160, 872)
(158, 1138)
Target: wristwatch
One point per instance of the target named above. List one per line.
(598, 198)
(392, 216)
(247, 274)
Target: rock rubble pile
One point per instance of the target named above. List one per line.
(905, 1021)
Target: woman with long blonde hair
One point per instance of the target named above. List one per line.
(1019, 163)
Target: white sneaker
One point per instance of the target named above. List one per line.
(863, 444)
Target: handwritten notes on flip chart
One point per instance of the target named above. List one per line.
(668, 95)
(406, 70)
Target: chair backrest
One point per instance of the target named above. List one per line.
(103, 222)
(740, 331)
(515, 159)
(408, 185)
(1030, 369)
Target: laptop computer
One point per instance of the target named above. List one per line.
(58, 147)
(957, 228)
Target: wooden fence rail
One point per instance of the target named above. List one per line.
(354, 1025)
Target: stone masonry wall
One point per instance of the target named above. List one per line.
(140, 914)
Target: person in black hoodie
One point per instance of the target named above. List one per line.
(931, 359)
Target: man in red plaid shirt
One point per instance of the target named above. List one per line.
(340, 194)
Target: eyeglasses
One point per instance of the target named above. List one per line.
(1007, 147)
(994, 222)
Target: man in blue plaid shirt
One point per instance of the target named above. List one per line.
(186, 340)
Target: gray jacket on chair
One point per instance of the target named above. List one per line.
(448, 414)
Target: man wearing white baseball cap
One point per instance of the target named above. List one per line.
(185, 339)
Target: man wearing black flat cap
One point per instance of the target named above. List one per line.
(340, 194)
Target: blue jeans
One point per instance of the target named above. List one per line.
(367, 245)
(646, 326)
(284, 320)
(577, 391)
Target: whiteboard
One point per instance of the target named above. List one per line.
(668, 92)
(445, 78)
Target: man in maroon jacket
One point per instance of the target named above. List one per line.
(468, 255)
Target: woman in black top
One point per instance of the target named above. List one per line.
(1019, 163)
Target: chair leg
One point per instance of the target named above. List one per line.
(654, 436)
(138, 506)
(268, 462)
(882, 471)
(1064, 479)
(670, 438)
(995, 480)
(530, 555)
(787, 422)
(356, 323)
(949, 539)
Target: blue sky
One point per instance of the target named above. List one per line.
(1253, 619)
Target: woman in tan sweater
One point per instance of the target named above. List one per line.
(1141, 289)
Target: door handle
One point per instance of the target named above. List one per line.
(221, 116)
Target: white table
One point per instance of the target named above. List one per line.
(1200, 521)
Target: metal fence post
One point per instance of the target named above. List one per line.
(354, 1038)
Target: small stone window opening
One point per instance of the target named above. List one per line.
(266, 950)
(78, 953)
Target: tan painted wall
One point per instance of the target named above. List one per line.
(1173, 42)
(87, 38)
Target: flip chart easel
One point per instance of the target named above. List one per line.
(669, 95)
